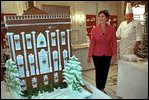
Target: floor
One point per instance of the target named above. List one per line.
(111, 85)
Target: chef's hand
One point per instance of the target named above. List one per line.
(136, 47)
(89, 59)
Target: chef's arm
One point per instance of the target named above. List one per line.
(139, 33)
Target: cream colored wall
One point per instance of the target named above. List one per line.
(78, 10)
(121, 15)
(8, 7)
(114, 7)
(111, 6)
(16, 7)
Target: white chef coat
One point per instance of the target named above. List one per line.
(129, 34)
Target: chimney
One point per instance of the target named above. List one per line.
(30, 4)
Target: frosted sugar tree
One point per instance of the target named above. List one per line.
(12, 79)
(73, 74)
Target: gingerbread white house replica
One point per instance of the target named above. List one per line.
(40, 46)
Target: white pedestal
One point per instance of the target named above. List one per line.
(132, 82)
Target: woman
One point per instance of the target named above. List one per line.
(103, 47)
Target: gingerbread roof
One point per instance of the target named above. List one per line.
(34, 10)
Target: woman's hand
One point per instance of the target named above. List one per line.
(118, 38)
(113, 59)
(89, 59)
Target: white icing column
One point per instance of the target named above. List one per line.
(49, 52)
(24, 47)
(60, 66)
(12, 45)
(68, 41)
(35, 52)
(9, 42)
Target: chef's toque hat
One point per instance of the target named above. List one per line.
(128, 8)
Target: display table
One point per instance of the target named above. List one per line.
(132, 82)
(97, 94)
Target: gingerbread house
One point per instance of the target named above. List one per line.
(40, 46)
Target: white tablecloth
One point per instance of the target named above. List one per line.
(132, 82)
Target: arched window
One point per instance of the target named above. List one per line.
(136, 3)
(139, 12)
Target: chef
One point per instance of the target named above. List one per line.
(129, 33)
